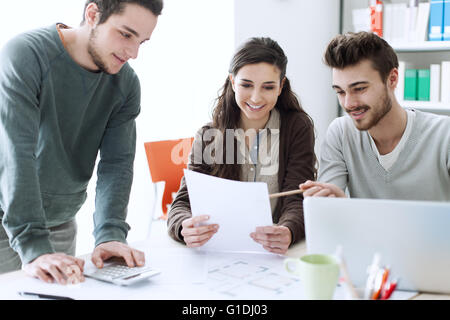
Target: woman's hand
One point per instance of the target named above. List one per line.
(194, 235)
(275, 239)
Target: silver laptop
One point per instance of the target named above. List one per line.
(412, 237)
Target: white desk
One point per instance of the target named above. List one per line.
(159, 247)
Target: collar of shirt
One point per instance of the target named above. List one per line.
(261, 144)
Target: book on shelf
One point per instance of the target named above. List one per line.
(388, 21)
(432, 85)
(445, 81)
(446, 24)
(410, 84)
(423, 15)
(411, 20)
(436, 20)
(400, 23)
(423, 84)
(406, 22)
(435, 82)
(376, 17)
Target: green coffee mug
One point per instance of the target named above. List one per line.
(319, 274)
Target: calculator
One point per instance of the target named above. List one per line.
(119, 273)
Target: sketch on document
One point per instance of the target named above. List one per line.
(241, 277)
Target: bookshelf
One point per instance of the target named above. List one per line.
(419, 55)
(426, 46)
(429, 106)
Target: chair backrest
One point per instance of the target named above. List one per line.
(166, 161)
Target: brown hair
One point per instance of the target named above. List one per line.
(109, 7)
(351, 48)
(226, 114)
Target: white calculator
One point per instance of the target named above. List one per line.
(117, 272)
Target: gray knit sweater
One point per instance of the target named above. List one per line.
(421, 172)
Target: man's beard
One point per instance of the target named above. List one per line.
(92, 50)
(386, 106)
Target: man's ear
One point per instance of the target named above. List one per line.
(392, 79)
(92, 14)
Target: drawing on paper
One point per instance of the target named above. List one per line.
(241, 277)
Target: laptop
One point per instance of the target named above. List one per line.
(412, 237)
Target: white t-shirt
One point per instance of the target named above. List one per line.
(389, 159)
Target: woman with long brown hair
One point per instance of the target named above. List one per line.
(259, 133)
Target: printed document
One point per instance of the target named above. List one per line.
(237, 207)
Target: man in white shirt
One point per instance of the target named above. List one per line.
(378, 150)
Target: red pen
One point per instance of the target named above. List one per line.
(388, 292)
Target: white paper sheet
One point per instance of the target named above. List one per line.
(178, 266)
(237, 207)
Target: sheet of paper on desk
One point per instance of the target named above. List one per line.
(237, 207)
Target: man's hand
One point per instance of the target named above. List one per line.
(275, 239)
(196, 236)
(319, 189)
(56, 266)
(107, 250)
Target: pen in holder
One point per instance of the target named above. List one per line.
(378, 287)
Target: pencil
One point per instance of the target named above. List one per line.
(286, 193)
(344, 270)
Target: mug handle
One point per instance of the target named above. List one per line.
(288, 268)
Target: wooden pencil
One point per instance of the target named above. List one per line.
(284, 194)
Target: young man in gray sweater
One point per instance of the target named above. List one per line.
(379, 150)
(66, 94)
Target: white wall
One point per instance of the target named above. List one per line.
(181, 71)
(303, 29)
(19, 16)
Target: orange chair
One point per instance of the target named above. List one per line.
(166, 161)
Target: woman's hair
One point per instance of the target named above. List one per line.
(226, 113)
